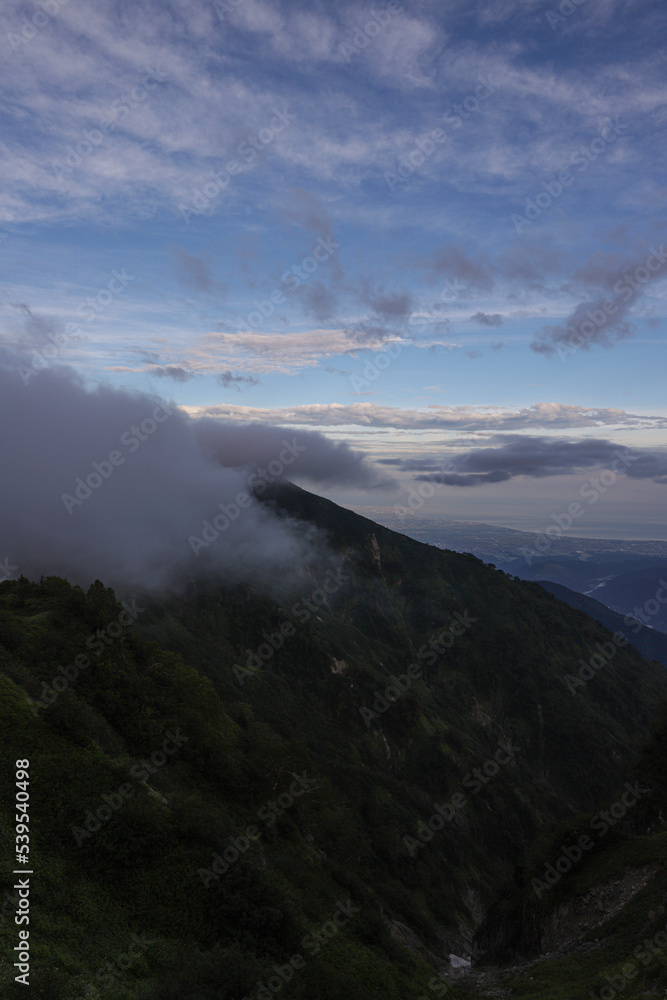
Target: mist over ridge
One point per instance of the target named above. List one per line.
(120, 485)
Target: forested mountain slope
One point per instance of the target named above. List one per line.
(331, 780)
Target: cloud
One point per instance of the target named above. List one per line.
(296, 35)
(168, 141)
(228, 380)
(320, 460)
(453, 262)
(496, 11)
(318, 302)
(402, 52)
(649, 465)
(589, 323)
(532, 261)
(173, 372)
(111, 484)
(486, 319)
(388, 305)
(35, 330)
(306, 211)
(370, 334)
(538, 457)
(288, 352)
(613, 288)
(437, 416)
(192, 270)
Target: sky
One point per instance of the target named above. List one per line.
(424, 238)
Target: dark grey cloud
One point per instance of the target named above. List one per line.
(306, 211)
(388, 305)
(369, 330)
(487, 319)
(429, 464)
(173, 372)
(389, 317)
(192, 271)
(452, 262)
(649, 465)
(238, 382)
(601, 270)
(346, 372)
(610, 287)
(533, 263)
(538, 457)
(589, 323)
(319, 460)
(150, 357)
(35, 330)
(112, 484)
(469, 479)
(319, 298)
(318, 301)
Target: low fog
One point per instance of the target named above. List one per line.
(103, 483)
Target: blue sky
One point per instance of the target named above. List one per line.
(432, 231)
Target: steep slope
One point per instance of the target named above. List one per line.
(650, 642)
(590, 908)
(631, 590)
(342, 773)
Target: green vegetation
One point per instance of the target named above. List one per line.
(160, 758)
(545, 902)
